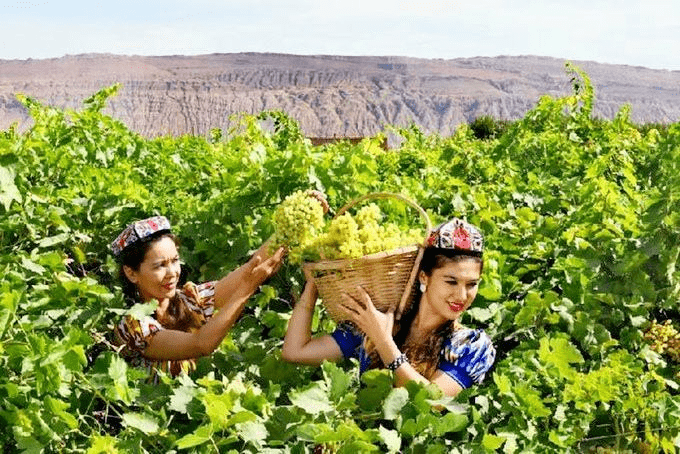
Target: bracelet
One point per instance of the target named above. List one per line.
(398, 361)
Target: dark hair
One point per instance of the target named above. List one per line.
(424, 357)
(178, 316)
(434, 258)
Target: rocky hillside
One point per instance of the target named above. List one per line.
(328, 95)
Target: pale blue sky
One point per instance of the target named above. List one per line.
(633, 32)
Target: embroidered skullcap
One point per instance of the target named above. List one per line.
(458, 235)
(138, 231)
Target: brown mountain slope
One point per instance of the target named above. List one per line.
(328, 95)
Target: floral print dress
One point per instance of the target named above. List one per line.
(133, 335)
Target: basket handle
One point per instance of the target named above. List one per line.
(390, 195)
(421, 249)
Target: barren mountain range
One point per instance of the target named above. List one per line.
(331, 96)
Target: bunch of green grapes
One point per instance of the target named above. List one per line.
(365, 233)
(340, 240)
(377, 236)
(664, 339)
(297, 221)
(369, 216)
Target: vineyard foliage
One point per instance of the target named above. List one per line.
(582, 224)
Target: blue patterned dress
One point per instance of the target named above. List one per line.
(466, 356)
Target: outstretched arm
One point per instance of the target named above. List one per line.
(239, 280)
(177, 345)
(298, 344)
(378, 328)
(231, 281)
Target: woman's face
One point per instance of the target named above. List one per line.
(158, 274)
(451, 288)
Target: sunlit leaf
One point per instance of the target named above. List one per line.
(142, 422)
(312, 399)
(9, 192)
(201, 435)
(391, 439)
(337, 380)
(492, 442)
(394, 402)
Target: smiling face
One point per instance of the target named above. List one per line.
(450, 289)
(158, 274)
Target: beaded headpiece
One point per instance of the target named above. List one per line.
(138, 231)
(458, 235)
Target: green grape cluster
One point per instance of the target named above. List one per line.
(300, 227)
(364, 233)
(664, 339)
(340, 240)
(297, 220)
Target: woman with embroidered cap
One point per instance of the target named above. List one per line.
(428, 344)
(190, 321)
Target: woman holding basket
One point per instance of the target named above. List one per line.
(428, 344)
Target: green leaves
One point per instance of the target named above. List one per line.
(337, 380)
(201, 435)
(394, 402)
(142, 422)
(378, 386)
(313, 400)
(119, 388)
(140, 311)
(9, 192)
(582, 243)
(559, 353)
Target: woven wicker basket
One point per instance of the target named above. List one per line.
(388, 277)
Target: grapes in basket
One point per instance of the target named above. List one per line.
(303, 230)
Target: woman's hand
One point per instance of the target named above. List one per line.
(363, 313)
(244, 280)
(260, 268)
(377, 326)
(321, 197)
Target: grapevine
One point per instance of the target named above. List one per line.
(65, 190)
